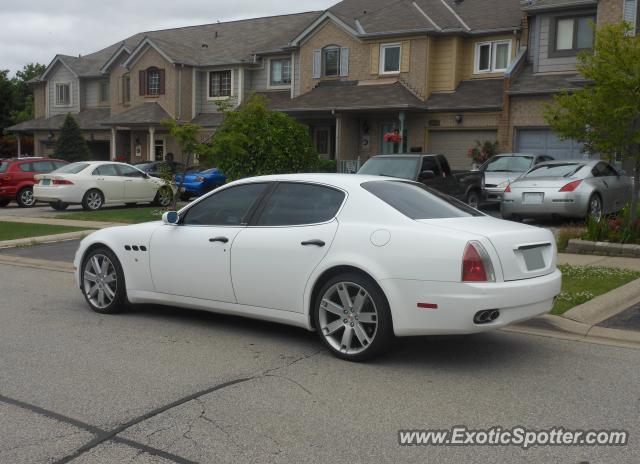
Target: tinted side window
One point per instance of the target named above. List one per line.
(607, 170)
(293, 204)
(128, 171)
(429, 164)
(26, 167)
(58, 164)
(419, 202)
(108, 170)
(230, 207)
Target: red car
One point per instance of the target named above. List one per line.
(16, 178)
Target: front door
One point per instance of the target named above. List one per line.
(137, 187)
(193, 258)
(272, 261)
(108, 180)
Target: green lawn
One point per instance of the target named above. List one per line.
(124, 215)
(583, 283)
(15, 230)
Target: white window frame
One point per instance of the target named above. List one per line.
(148, 92)
(279, 86)
(493, 45)
(208, 84)
(323, 55)
(383, 47)
(56, 102)
(164, 147)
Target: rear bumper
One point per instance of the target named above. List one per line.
(492, 195)
(571, 204)
(50, 194)
(457, 303)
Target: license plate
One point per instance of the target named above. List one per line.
(533, 258)
(46, 182)
(533, 198)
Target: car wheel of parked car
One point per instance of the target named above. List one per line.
(352, 317)
(25, 198)
(473, 199)
(595, 207)
(58, 205)
(92, 200)
(4, 202)
(102, 281)
(163, 197)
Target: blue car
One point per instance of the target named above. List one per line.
(198, 183)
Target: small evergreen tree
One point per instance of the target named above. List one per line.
(71, 145)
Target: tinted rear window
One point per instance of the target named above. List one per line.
(73, 168)
(417, 201)
(405, 168)
(3, 166)
(555, 170)
(509, 164)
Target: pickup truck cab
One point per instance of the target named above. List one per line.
(431, 170)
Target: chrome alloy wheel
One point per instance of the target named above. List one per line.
(164, 197)
(348, 318)
(27, 197)
(94, 200)
(100, 281)
(595, 208)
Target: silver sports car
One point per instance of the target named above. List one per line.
(567, 189)
(500, 170)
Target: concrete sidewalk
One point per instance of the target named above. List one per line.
(61, 222)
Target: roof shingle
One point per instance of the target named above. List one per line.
(89, 119)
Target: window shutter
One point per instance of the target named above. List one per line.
(317, 64)
(375, 58)
(629, 13)
(161, 83)
(120, 90)
(406, 56)
(344, 61)
(143, 82)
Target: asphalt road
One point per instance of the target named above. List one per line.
(58, 251)
(169, 385)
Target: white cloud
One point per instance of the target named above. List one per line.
(35, 31)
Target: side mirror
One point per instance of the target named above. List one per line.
(429, 174)
(170, 217)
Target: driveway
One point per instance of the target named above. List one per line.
(170, 385)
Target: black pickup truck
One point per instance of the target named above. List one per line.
(431, 170)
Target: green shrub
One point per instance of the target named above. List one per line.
(616, 229)
(327, 165)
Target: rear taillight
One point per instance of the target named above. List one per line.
(476, 264)
(62, 182)
(571, 186)
(508, 189)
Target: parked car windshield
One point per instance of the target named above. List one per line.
(417, 201)
(73, 168)
(397, 166)
(509, 164)
(210, 171)
(555, 170)
(3, 166)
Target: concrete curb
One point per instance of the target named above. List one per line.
(605, 306)
(603, 248)
(61, 222)
(60, 266)
(45, 239)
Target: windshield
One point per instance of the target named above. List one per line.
(73, 168)
(210, 171)
(405, 168)
(3, 166)
(145, 166)
(509, 164)
(417, 201)
(555, 170)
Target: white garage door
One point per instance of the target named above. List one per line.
(545, 142)
(456, 143)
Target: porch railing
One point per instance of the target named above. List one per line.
(350, 166)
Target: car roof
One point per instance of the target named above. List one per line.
(344, 181)
(570, 161)
(502, 155)
(406, 155)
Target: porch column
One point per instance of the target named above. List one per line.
(338, 140)
(152, 144)
(402, 116)
(114, 134)
(19, 145)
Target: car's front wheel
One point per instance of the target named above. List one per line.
(473, 199)
(163, 197)
(102, 281)
(352, 317)
(92, 200)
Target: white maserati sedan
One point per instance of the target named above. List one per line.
(94, 184)
(356, 258)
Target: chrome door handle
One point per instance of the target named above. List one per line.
(315, 242)
(219, 239)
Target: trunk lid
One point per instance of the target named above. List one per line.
(493, 179)
(524, 252)
(544, 183)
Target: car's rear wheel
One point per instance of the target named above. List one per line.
(58, 205)
(4, 202)
(25, 198)
(352, 317)
(473, 199)
(595, 208)
(92, 200)
(102, 281)
(163, 197)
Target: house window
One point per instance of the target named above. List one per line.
(219, 84)
(153, 82)
(570, 35)
(492, 56)
(63, 94)
(331, 61)
(280, 72)
(126, 88)
(390, 59)
(104, 91)
(160, 151)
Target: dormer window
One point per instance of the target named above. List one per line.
(569, 35)
(331, 61)
(492, 56)
(63, 94)
(152, 82)
(390, 58)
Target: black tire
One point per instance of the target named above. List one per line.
(590, 208)
(474, 199)
(25, 198)
(93, 200)
(163, 197)
(376, 339)
(118, 302)
(4, 202)
(58, 205)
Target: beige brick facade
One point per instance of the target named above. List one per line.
(525, 112)
(151, 58)
(39, 100)
(609, 12)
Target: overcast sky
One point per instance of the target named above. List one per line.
(36, 30)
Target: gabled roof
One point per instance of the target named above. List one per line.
(147, 113)
(89, 119)
(121, 49)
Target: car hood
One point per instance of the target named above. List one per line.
(497, 178)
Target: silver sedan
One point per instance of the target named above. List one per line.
(575, 189)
